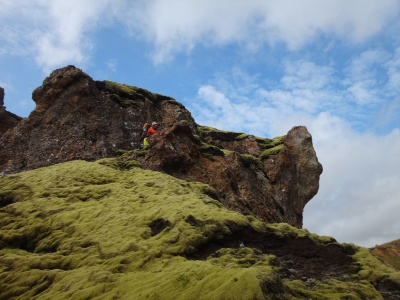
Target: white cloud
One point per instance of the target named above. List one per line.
(306, 74)
(112, 64)
(55, 31)
(388, 114)
(356, 20)
(359, 191)
(58, 31)
(362, 76)
(178, 25)
(213, 108)
(359, 196)
(393, 67)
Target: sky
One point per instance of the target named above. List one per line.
(255, 66)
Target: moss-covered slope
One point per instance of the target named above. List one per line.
(89, 230)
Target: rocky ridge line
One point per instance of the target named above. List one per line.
(77, 117)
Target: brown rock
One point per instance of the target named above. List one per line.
(7, 120)
(275, 190)
(79, 118)
(241, 143)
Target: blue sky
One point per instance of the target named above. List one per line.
(253, 66)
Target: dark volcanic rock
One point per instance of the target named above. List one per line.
(79, 118)
(1, 97)
(7, 120)
(275, 189)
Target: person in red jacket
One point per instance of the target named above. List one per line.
(152, 129)
(150, 132)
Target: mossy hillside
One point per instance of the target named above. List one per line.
(332, 289)
(90, 236)
(88, 230)
(372, 269)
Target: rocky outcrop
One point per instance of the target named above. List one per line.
(7, 120)
(274, 188)
(77, 117)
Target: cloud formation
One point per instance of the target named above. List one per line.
(359, 185)
(57, 32)
(180, 25)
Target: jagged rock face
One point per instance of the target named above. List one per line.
(7, 120)
(275, 190)
(79, 118)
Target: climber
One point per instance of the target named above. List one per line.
(150, 132)
(152, 129)
(146, 127)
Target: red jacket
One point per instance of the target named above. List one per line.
(151, 131)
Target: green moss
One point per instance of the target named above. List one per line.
(331, 289)
(208, 156)
(249, 160)
(267, 146)
(206, 130)
(373, 270)
(210, 149)
(217, 134)
(91, 230)
(197, 139)
(286, 231)
(96, 225)
(242, 136)
(127, 95)
(124, 160)
(120, 163)
(266, 143)
(174, 102)
(271, 151)
(227, 152)
(13, 190)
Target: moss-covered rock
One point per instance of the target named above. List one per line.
(126, 95)
(94, 230)
(271, 151)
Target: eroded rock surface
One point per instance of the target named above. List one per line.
(79, 118)
(275, 189)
